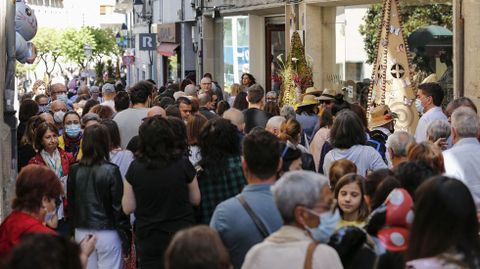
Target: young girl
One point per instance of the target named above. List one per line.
(349, 192)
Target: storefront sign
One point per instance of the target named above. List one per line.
(168, 33)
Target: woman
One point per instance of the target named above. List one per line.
(161, 187)
(94, 191)
(221, 175)
(304, 201)
(39, 87)
(71, 138)
(103, 111)
(26, 150)
(28, 109)
(438, 132)
(51, 155)
(240, 102)
(201, 245)
(37, 190)
(321, 136)
(118, 156)
(348, 139)
(272, 108)
(247, 80)
(291, 158)
(195, 124)
(429, 154)
(291, 132)
(307, 117)
(444, 232)
(234, 91)
(222, 106)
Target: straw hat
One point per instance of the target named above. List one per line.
(327, 95)
(380, 115)
(308, 100)
(313, 91)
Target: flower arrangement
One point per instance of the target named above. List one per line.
(296, 73)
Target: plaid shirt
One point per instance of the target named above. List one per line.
(217, 190)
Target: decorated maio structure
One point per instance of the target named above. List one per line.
(392, 79)
(296, 73)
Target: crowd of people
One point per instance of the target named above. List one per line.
(190, 176)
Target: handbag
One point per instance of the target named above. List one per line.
(130, 262)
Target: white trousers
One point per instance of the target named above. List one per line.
(108, 250)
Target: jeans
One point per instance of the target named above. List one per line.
(108, 250)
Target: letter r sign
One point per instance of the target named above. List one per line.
(147, 41)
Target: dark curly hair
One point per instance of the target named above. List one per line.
(218, 140)
(160, 142)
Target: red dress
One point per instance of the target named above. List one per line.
(16, 225)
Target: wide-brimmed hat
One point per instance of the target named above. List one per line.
(380, 115)
(327, 95)
(313, 91)
(308, 100)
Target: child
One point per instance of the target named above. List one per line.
(338, 169)
(349, 192)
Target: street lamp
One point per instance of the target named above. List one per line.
(88, 53)
(138, 6)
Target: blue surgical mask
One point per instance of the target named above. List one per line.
(49, 216)
(419, 106)
(62, 97)
(328, 224)
(72, 130)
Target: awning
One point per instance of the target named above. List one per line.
(167, 49)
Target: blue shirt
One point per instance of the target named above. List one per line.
(237, 229)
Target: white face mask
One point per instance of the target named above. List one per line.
(419, 106)
(58, 116)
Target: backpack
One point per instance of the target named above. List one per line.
(378, 140)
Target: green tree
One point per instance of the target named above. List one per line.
(49, 49)
(414, 17)
(73, 43)
(106, 44)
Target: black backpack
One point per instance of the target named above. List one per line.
(378, 141)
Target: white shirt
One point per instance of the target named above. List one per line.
(463, 162)
(365, 158)
(128, 121)
(109, 103)
(287, 248)
(431, 115)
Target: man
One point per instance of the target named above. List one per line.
(429, 100)
(261, 162)
(59, 91)
(236, 117)
(206, 105)
(206, 85)
(327, 99)
(108, 94)
(462, 160)
(95, 93)
(185, 106)
(156, 110)
(58, 108)
(191, 90)
(397, 144)
(254, 115)
(274, 124)
(130, 119)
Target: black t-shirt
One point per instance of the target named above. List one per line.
(255, 117)
(162, 196)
